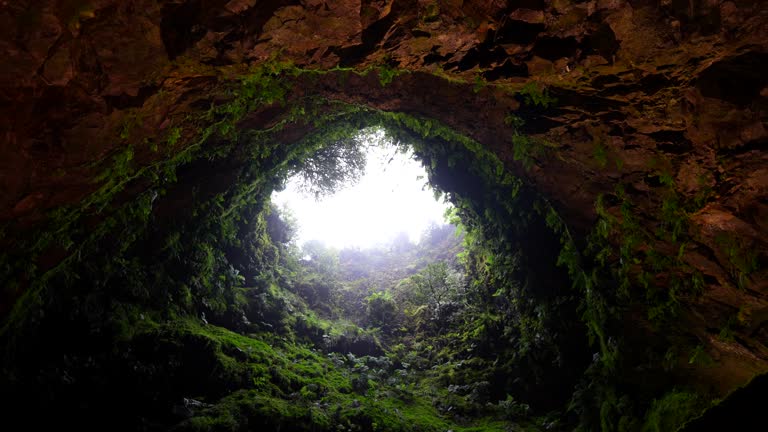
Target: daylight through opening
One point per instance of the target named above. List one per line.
(388, 200)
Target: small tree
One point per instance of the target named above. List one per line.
(331, 167)
(432, 296)
(437, 284)
(401, 242)
(381, 310)
(318, 281)
(281, 224)
(320, 258)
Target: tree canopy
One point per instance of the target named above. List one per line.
(333, 166)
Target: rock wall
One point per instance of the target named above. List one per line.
(667, 99)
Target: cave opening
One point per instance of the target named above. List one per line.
(194, 287)
(382, 193)
(189, 296)
(507, 222)
(604, 164)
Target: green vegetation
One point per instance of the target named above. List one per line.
(533, 94)
(387, 74)
(742, 258)
(295, 385)
(430, 12)
(193, 301)
(480, 84)
(332, 166)
(639, 260)
(229, 265)
(672, 411)
(526, 149)
(600, 153)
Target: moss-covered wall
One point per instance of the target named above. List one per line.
(629, 134)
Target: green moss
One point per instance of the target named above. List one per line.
(514, 121)
(249, 408)
(430, 12)
(672, 411)
(322, 395)
(480, 84)
(600, 153)
(535, 95)
(742, 259)
(387, 74)
(525, 150)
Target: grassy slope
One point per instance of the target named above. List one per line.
(292, 386)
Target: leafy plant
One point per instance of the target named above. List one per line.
(331, 167)
(672, 411)
(743, 261)
(535, 95)
(387, 74)
(600, 153)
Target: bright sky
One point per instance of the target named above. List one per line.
(390, 198)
